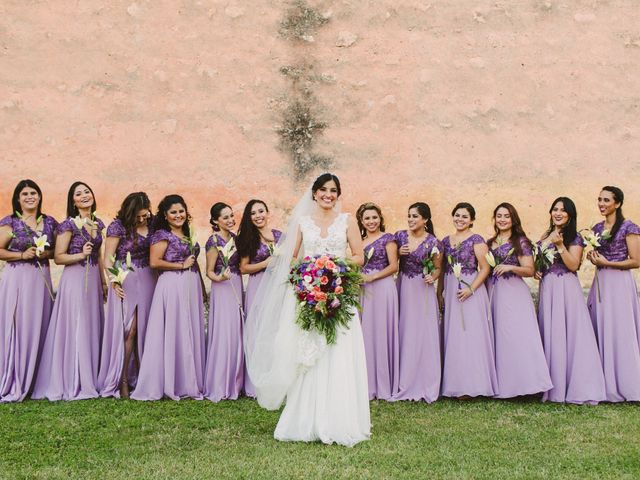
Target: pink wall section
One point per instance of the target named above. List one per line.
(442, 101)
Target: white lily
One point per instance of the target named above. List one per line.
(434, 251)
(79, 222)
(491, 260)
(40, 243)
(228, 250)
(128, 261)
(457, 270)
(119, 278)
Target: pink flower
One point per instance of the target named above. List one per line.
(331, 265)
(320, 296)
(339, 290)
(324, 280)
(338, 281)
(335, 303)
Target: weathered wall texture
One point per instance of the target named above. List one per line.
(441, 101)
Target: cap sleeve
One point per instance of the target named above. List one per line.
(525, 245)
(210, 243)
(51, 223)
(65, 226)
(400, 238)
(160, 236)
(476, 239)
(578, 240)
(116, 229)
(630, 228)
(8, 220)
(100, 224)
(276, 235)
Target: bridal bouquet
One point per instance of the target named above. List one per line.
(326, 288)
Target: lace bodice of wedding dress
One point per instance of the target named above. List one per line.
(335, 243)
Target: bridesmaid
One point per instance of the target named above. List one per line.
(224, 370)
(379, 302)
(520, 362)
(613, 299)
(256, 241)
(420, 356)
(71, 354)
(26, 293)
(172, 364)
(127, 305)
(567, 334)
(469, 360)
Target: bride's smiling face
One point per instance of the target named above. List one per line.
(327, 195)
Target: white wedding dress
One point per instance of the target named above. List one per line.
(329, 398)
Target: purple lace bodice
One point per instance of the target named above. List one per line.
(615, 249)
(234, 261)
(379, 259)
(23, 237)
(463, 254)
(177, 250)
(558, 267)
(138, 245)
(500, 254)
(80, 237)
(411, 265)
(263, 250)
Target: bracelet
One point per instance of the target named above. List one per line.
(472, 290)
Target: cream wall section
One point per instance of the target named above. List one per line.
(442, 101)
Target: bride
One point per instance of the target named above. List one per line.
(325, 386)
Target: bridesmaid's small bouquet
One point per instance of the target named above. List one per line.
(226, 253)
(428, 265)
(593, 239)
(119, 272)
(327, 288)
(191, 240)
(543, 256)
(495, 260)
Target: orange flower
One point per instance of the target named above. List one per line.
(320, 296)
(321, 262)
(331, 265)
(324, 280)
(339, 290)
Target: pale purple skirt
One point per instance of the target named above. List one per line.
(138, 287)
(569, 342)
(616, 319)
(469, 359)
(520, 362)
(252, 288)
(25, 309)
(379, 301)
(420, 358)
(172, 365)
(71, 353)
(224, 370)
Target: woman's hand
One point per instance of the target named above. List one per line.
(105, 292)
(87, 248)
(225, 275)
(597, 259)
(464, 293)
(501, 269)
(537, 275)
(367, 278)
(188, 263)
(428, 279)
(118, 290)
(556, 238)
(29, 253)
(404, 250)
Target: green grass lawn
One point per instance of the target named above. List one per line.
(189, 439)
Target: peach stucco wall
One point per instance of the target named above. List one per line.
(441, 101)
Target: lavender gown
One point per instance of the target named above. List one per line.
(174, 348)
(252, 287)
(379, 316)
(520, 362)
(420, 357)
(138, 288)
(469, 359)
(25, 308)
(71, 353)
(615, 313)
(224, 370)
(568, 338)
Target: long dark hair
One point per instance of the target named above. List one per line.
(322, 179)
(570, 230)
(360, 212)
(517, 232)
(72, 210)
(215, 212)
(15, 200)
(425, 212)
(468, 207)
(160, 221)
(618, 197)
(128, 213)
(248, 239)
